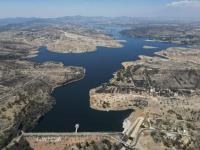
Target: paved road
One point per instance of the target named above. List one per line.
(137, 127)
(130, 130)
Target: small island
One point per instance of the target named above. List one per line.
(149, 47)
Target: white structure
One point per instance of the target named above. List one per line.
(126, 126)
(76, 128)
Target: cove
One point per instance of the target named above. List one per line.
(72, 100)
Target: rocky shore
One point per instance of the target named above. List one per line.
(184, 34)
(25, 93)
(163, 88)
(57, 38)
(25, 86)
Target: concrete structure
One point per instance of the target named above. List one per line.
(76, 128)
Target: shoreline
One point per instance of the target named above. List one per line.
(29, 114)
(70, 82)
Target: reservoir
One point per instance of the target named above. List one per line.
(72, 100)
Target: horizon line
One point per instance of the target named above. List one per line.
(132, 17)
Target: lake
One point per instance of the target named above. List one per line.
(72, 100)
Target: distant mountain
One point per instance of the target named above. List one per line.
(81, 20)
(7, 21)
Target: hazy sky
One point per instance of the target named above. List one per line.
(132, 8)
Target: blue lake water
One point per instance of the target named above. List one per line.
(72, 101)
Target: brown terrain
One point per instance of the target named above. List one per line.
(25, 93)
(73, 141)
(179, 33)
(164, 92)
(25, 86)
(59, 38)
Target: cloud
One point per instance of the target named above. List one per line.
(184, 9)
(184, 3)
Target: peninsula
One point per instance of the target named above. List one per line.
(25, 86)
(162, 89)
(164, 92)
